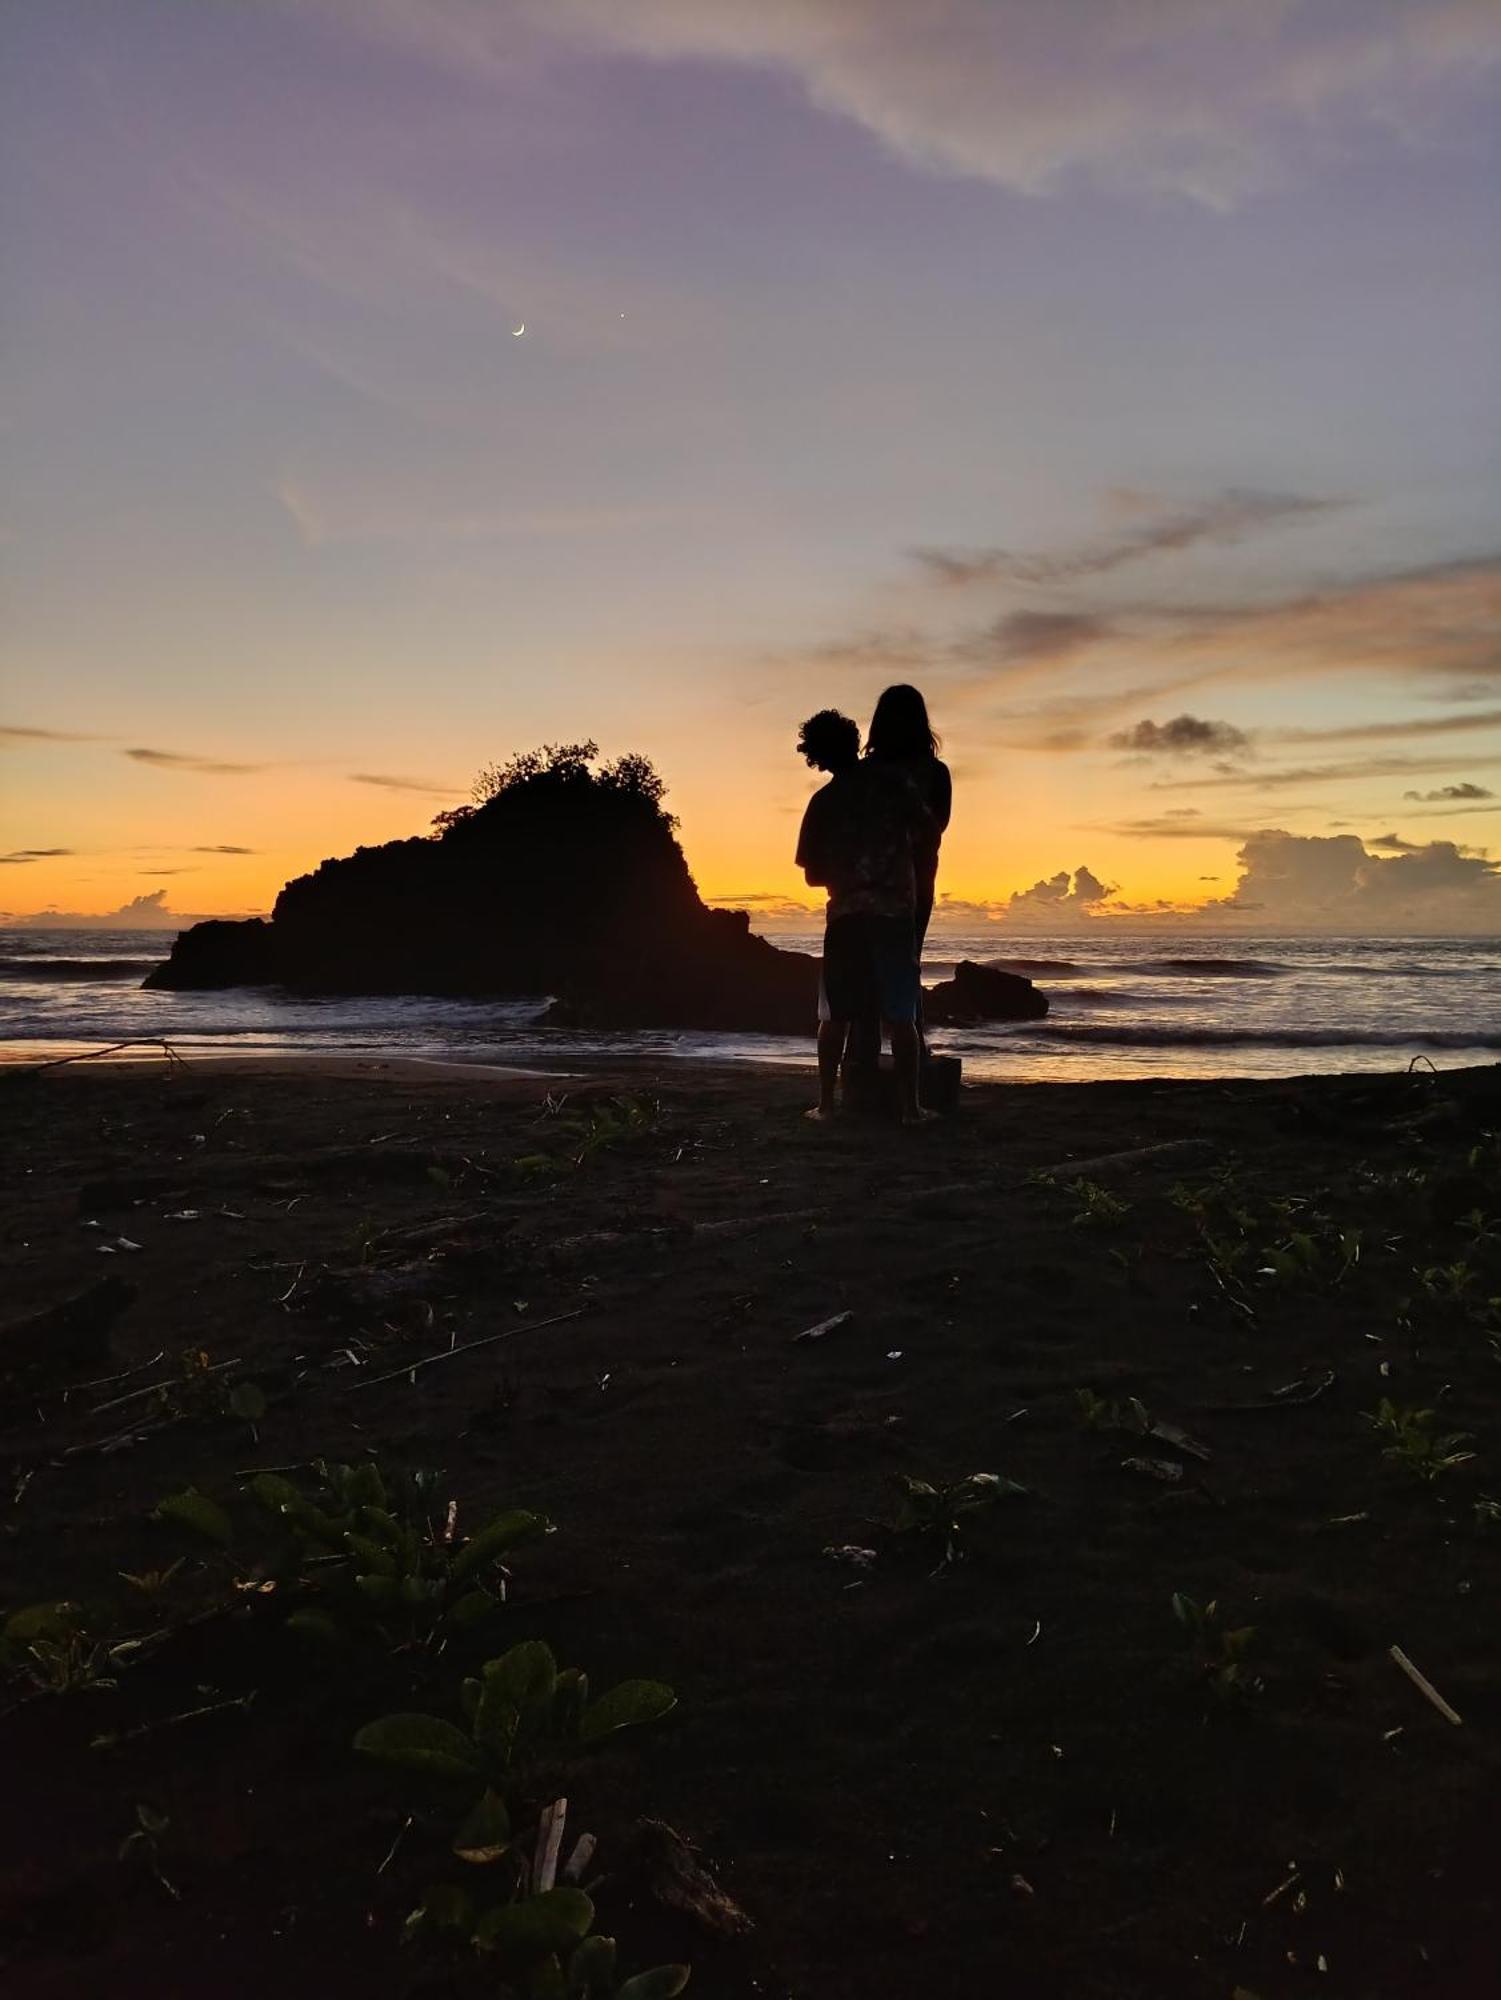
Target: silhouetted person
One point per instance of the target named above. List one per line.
(901, 736)
(859, 839)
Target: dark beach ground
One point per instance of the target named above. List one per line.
(1014, 1777)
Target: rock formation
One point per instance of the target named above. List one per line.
(568, 882)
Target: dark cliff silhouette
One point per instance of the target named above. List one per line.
(567, 881)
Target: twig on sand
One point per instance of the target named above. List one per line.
(134, 1395)
(1305, 1390)
(824, 1326)
(401, 1833)
(1423, 1685)
(118, 1440)
(468, 1346)
(113, 1738)
(104, 1381)
(87, 1055)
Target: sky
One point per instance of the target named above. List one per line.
(390, 385)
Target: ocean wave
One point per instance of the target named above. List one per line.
(1027, 966)
(1147, 1037)
(22, 969)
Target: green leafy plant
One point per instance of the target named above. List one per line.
(201, 1390)
(1219, 1650)
(360, 1550)
(1094, 1206)
(59, 1650)
(938, 1513)
(1107, 1413)
(519, 1713)
(1414, 1443)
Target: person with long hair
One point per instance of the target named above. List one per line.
(901, 734)
(902, 738)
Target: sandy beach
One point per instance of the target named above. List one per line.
(901, 1768)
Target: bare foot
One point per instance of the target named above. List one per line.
(821, 1114)
(919, 1117)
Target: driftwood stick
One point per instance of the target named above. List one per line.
(466, 1347)
(549, 1846)
(134, 1395)
(1423, 1685)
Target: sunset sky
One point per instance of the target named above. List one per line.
(1124, 372)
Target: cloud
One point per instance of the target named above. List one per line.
(1393, 843)
(1173, 826)
(224, 847)
(1432, 621)
(25, 854)
(168, 871)
(1184, 735)
(144, 912)
(1032, 635)
(1304, 882)
(12, 732)
(1312, 774)
(769, 906)
(1464, 791)
(391, 784)
(1378, 732)
(1226, 518)
(1058, 899)
(1209, 99)
(173, 760)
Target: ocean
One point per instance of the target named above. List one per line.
(1123, 1004)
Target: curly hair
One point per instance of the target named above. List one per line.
(830, 741)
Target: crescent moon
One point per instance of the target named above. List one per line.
(517, 331)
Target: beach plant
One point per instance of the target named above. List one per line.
(519, 1715)
(586, 1134)
(938, 1513)
(1219, 1649)
(1414, 1444)
(1093, 1206)
(1108, 1413)
(58, 1648)
(362, 1552)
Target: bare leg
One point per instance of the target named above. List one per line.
(831, 1036)
(906, 1046)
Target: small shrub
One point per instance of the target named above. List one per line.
(938, 1513)
(1219, 1650)
(1415, 1446)
(519, 1713)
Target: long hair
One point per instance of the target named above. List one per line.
(900, 727)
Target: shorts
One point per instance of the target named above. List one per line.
(869, 968)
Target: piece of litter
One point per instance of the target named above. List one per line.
(182, 1215)
(1036, 1633)
(1322, 1963)
(894, 1354)
(1020, 1886)
(1345, 1520)
(1391, 1735)
(852, 1554)
(1154, 1468)
(823, 1328)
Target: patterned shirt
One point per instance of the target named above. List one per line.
(858, 839)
